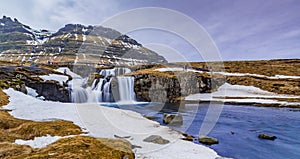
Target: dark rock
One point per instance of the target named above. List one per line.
(173, 119)
(136, 146)
(122, 137)
(23, 88)
(51, 91)
(156, 139)
(158, 88)
(208, 140)
(267, 137)
(188, 138)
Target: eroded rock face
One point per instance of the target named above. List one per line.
(20, 77)
(51, 91)
(166, 89)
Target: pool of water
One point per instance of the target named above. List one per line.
(238, 127)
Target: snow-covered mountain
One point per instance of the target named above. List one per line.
(72, 43)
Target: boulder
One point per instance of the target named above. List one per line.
(267, 137)
(188, 138)
(21, 88)
(208, 140)
(156, 139)
(173, 119)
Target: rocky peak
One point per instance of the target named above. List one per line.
(8, 25)
(74, 29)
(98, 44)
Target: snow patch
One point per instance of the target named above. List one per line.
(55, 77)
(83, 37)
(39, 142)
(31, 92)
(250, 94)
(68, 72)
(257, 75)
(104, 122)
(174, 69)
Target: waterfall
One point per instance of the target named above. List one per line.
(101, 91)
(78, 93)
(126, 89)
(114, 72)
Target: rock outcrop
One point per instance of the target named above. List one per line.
(153, 87)
(20, 77)
(51, 90)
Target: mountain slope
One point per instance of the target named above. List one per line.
(72, 43)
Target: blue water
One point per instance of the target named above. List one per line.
(238, 127)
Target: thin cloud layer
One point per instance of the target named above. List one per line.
(250, 29)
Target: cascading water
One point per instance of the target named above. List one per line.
(101, 90)
(78, 93)
(126, 89)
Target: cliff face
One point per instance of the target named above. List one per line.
(159, 88)
(19, 77)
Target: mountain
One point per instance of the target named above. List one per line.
(72, 43)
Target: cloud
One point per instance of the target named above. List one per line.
(250, 29)
(55, 13)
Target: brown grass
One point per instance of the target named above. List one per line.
(278, 86)
(3, 98)
(80, 147)
(74, 147)
(288, 67)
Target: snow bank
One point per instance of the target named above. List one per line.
(55, 77)
(104, 122)
(68, 72)
(174, 69)
(31, 92)
(39, 142)
(257, 75)
(239, 91)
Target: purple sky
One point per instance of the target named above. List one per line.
(241, 29)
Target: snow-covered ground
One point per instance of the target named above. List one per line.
(257, 75)
(243, 94)
(68, 71)
(174, 69)
(55, 77)
(39, 142)
(104, 122)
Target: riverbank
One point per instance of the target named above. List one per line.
(40, 134)
(246, 95)
(103, 122)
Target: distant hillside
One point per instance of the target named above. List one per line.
(73, 42)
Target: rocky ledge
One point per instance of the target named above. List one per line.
(19, 77)
(171, 87)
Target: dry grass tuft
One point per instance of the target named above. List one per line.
(73, 147)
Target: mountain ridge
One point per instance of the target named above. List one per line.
(19, 42)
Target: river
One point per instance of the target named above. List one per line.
(238, 127)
